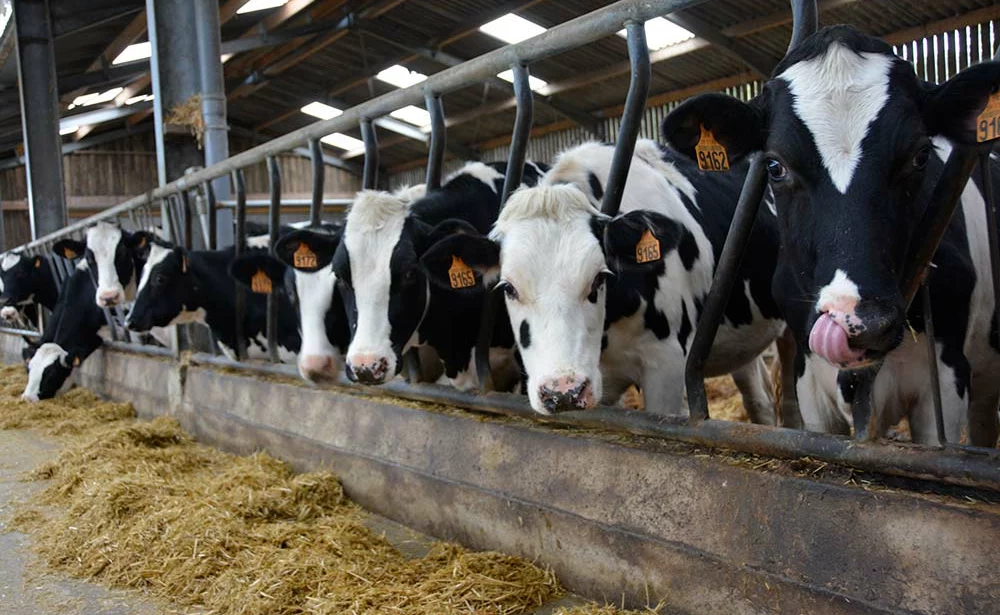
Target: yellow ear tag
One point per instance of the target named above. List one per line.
(460, 275)
(142, 241)
(304, 257)
(260, 283)
(988, 122)
(38, 263)
(70, 254)
(711, 154)
(648, 248)
(76, 361)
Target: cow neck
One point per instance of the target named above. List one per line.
(48, 292)
(213, 291)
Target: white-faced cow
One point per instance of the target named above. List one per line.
(854, 143)
(600, 303)
(390, 304)
(180, 286)
(25, 282)
(115, 257)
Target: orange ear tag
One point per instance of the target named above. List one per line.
(711, 154)
(460, 275)
(76, 361)
(69, 254)
(260, 283)
(648, 248)
(304, 257)
(988, 122)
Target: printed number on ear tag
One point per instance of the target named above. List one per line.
(304, 257)
(460, 275)
(648, 248)
(260, 283)
(711, 154)
(988, 122)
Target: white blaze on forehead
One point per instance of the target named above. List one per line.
(102, 240)
(9, 260)
(483, 172)
(156, 255)
(46, 355)
(374, 226)
(840, 294)
(837, 96)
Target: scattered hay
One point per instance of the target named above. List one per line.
(724, 400)
(595, 609)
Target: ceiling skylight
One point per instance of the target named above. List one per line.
(68, 130)
(400, 76)
(533, 82)
(662, 33)
(97, 97)
(511, 29)
(342, 141)
(412, 115)
(260, 5)
(138, 51)
(320, 110)
(139, 99)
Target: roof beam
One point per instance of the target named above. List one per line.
(77, 21)
(759, 62)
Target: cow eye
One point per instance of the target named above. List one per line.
(596, 286)
(922, 157)
(159, 280)
(509, 290)
(776, 170)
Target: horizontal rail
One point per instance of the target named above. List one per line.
(558, 39)
(23, 332)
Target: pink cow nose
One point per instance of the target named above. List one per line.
(566, 393)
(368, 369)
(108, 298)
(317, 367)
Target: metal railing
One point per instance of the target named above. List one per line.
(176, 206)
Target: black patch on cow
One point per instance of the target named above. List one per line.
(687, 248)
(595, 186)
(30, 281)
(685, 329)
(604, 342)
(524, 335)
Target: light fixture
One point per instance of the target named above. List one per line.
(260, 5)
(400, 76)
(138, 51)
(511, 28)
(92, 99)
(68, 130)
(662, 33)
(320, 110)
(342, 141)
(533, 82)
(412, 115)
(138, 99)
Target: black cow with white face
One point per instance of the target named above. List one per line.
(24, 283)
(390, 303)
(854, 143)
(115, 256)
(180, 286)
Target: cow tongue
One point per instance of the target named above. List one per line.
(829, 340)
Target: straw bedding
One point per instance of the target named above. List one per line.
(141, 505)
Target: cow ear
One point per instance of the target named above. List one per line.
(736, 125)
(306, 250)
(966, 108)
(140, 242)
(640, 240)
(258, 271)
(69, 248)
(461, 260)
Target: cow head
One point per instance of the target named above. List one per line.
(166, 294)
(49, 368)
(115, 255)
(20, 278)
(846, 130)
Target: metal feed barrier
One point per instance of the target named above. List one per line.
(172, 203)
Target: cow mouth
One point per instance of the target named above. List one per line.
(830, 340)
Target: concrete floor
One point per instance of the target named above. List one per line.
(26, 590)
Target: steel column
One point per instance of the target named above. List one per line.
(36, 68)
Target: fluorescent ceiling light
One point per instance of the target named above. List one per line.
(68, 130)
(412, 115)
(400, 76)
(662, 33)
(511, 29)
(138, 51)
(320, 110)
(225, 57)
(260, 5)
(92, 99)
(533, 82)
(345, 142)
(139, 99)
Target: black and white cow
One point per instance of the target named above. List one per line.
(390, 303)
(592, 315)
(71, 336)
(180, 286)
(115, 257)
(854, 143)
(26, 282)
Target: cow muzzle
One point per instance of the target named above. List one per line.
(566, 393)
(317, 367)
(368, 369)
(8, 313)
(110, 298)
(855, 339)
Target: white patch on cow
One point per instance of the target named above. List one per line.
(82, 265)
(102, 241)
(650, 152)
(770, 202)
(837, 96)
(408, 194)
(156, 255)
(46, 355)
(257, 349)
(315, 293)
(840, 294)
(9, 260)
(481, 171)
(259, 241)
(374, 226)
(467, 379)
(9, 314)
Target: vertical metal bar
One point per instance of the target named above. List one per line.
(187, 214)
(522, 131)
(318, 177)
(805, 21)
(370, 176)
(213, 217)
(725, 276)
(274, 221)
(240, 187)
(435, 155)
(925, 292)
(173, 224)
(631, 122)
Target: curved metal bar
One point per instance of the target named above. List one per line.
(213, 218)
(805, 22)
(318, 177)
(522, 131)
(368, 135)
(439, 137)
(239, 245)
(635, 104)
(726, 272)
(273, 224)
(925, 293)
